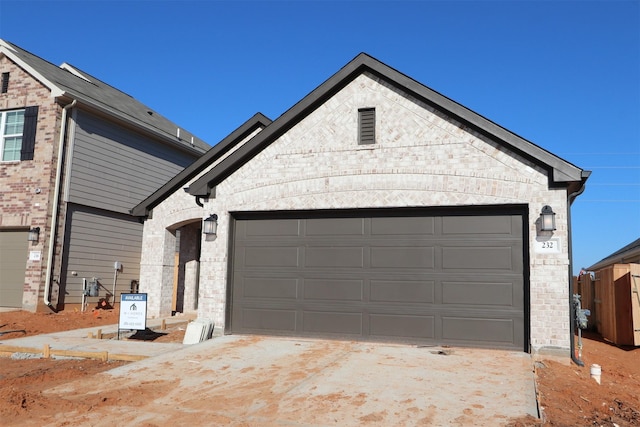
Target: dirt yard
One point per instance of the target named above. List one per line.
(567, 394)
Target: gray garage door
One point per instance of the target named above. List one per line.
(454, 279)
(13, 263)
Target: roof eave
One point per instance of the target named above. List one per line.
(203, 186)
(621, 256)
(8, 51)
(181, 179)
(65, 97)
(561, 170)
(618, 259)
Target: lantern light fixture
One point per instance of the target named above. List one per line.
(210, 225)
(547, 219)
(34, 234)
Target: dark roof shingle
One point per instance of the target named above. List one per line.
(69, 82)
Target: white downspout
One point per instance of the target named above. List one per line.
(55, 212)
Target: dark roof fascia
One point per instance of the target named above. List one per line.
(203, 186)
(618, 257)
(561, 172)
(181, 179)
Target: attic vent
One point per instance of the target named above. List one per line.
(5, 83)
(366, 126)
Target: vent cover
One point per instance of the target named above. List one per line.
(5, 83)
(366, 126)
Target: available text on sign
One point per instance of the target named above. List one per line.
(133, 311)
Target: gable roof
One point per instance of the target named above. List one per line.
(561, 172)
(621, 256)
(258, 121)
(68, 83)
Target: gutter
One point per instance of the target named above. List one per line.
(56, 210)
(572, 318)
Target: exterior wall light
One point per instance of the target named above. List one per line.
(34, 234)
(210, 225)
(547, 219)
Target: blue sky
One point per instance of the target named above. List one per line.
(564, 75)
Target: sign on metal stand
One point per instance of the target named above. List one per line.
(133, 312)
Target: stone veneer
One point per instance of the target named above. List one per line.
(27, 186)
(420, 158)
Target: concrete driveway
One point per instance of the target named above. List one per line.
(266, 381)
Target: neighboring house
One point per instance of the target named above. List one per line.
(630, 254)
(373, 209)
(611, 290)
(77, 155)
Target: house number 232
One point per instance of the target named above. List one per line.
(548, 246)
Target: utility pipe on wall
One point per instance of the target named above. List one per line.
(56, 211)
(572, 316)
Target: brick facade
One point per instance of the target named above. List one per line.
(27, 186)
(421, 158)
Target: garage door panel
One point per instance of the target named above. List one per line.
(335, 227)
(269, 287)
(488, 330)
(334, 257)
(480, 293)
(406, 326)
(403, 257)
(409, 226)
(399, 291)
(477, 258)
(332, 322)
(333, 289)
(258, 319)
(276, 227)
(271, 256)
(477, 225)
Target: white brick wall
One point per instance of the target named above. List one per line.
(420, 159)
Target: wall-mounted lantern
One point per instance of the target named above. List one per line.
(210, 225)
(547, 219)
(34, 234)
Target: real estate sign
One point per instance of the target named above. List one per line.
(133, 311)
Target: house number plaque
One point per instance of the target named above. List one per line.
(548, 246)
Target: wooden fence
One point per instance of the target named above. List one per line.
(613, 297)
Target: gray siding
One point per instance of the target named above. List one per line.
(114, 168)
(94, 241)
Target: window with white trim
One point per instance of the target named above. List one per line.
(18, 130)
(11, 129)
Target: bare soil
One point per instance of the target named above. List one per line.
(567, 394)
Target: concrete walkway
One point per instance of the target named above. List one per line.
(77, 341)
